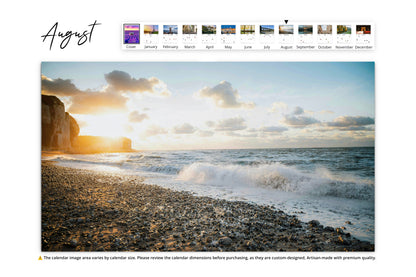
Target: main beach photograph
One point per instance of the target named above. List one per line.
(208, 156)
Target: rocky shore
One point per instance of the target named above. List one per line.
(88, 211)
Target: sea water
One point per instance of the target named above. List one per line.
(331, 185)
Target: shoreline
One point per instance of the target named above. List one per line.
(49, 153)
(83, 210)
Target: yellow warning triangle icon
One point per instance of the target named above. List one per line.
(40, 258)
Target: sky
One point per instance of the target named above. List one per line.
(219, 105)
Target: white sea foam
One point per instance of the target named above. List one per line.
(280, 177)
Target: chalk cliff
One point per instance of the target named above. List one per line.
(59, 129)
(60, 132)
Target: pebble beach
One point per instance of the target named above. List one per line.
(85, 210)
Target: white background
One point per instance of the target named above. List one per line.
(22, 50)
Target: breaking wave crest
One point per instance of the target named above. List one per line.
(277, 176)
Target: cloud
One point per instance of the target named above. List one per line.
(123, 82)
(111, 97)
(205, 133)
(278, 107)
(93, 102)
(224, 96)
(299, 121)
(251, 133)
(298, 111)
(357, 128)
(58, 87)
(237, 134)
(230, 124)
(273, 129)
(185, 128)
(154, 131)
(351, 123)
(320, 112)
(326, 112)
(135, 116)
(210, 124)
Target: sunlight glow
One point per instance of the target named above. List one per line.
(107, 125)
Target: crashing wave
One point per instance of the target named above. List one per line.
(280, 177)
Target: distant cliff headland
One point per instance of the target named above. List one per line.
(60, 132)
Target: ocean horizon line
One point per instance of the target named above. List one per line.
(265, 148)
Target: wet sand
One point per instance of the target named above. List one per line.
(84, 210)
